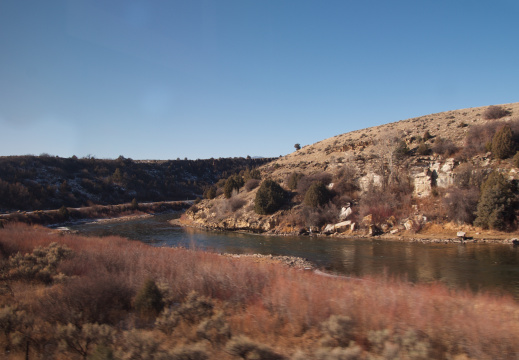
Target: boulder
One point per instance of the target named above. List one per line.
(329, 228)
(345, 212)
(367, 219)
(409, 225)
(343, 226)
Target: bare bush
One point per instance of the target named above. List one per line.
(461, 204)
(444, 147)
(306, 181)
(236, 203)
(252, 184)
(478, 137)
(494, 112)
(466, 176)
(102, 299)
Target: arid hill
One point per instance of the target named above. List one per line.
(399, 178)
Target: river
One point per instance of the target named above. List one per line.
(491, 268)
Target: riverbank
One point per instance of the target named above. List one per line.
(447, 233)
(119, 212)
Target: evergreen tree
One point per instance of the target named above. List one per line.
(210, 193)
(495, 208)
(502, 143)
(269, 198)
(317, 195)
(234, 182)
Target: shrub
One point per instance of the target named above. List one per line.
(148, 300)
(494, 112)
(423, 149)
(516, 159)
(401, 149)
(195, 308)
(245, 348)
(167, 321)
(81, 340)
(502, 143)
(214, 329)
(139, 345)
(306, 181)
(251, 184)
(251, 174)
(495, 209)
(408, 345)
(134, 205)
(41, 265)
(64, 213)
(444, 147)
(293, 180)
(189, 352)
(478, 137)
(236, 203)
(338, 330)
(234, 182)
(426, 135)
(210, 193)
(317, 195)
(466, 176)
(269, 198)
(297, 147)
(461, 204)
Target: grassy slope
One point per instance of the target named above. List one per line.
(284, 309)
(315, 157)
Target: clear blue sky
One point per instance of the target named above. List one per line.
(201, 79)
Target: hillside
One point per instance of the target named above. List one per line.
(47, 182)
(395, 178)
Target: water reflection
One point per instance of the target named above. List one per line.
(493, 268)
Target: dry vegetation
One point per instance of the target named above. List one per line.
(110, 298)
(394, 178)
(330, 154)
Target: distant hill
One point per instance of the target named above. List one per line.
(47, 182)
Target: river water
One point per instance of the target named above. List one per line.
(491, 268)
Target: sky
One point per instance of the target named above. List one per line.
(233, 78)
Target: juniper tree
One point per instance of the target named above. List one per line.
(503, 146)
(317, 195)
(269, 198)
(495, 207)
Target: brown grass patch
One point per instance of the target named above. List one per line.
(281, 308)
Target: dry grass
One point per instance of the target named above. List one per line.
(277, 307)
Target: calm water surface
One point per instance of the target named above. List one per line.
(478, 267)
